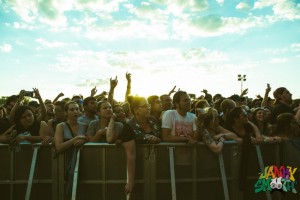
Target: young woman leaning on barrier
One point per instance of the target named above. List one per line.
(120, 114)
(70, 133)
(69, 136)
(141, 129)
(26, 128)
(104, 129)
(259, 119)
(210, 132)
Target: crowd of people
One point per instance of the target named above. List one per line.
(68, 123)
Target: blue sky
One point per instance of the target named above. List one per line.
(73, 46)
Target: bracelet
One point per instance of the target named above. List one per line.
(221, 139)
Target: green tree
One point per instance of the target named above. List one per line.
(2, 100)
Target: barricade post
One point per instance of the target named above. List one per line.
(31, 173)
(172, 172)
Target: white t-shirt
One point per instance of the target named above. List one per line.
(179, 125)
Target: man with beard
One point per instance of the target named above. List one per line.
(90, 110)
(179, 125)
(282, 104)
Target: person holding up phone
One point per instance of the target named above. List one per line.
(34, 94)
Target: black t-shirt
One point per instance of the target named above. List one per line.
(34, 129)
(249, 131)
(279, 109)
(4, 125)
(132, 130)
(127, 133)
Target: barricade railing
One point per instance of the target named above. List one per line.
(26, 174)
(100, 172)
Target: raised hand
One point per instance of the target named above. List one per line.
(173, 90)
(204, 91)
(93, 91)
(36, 93)
(128, 76)
(113, 82)
(61, 94)
(268, 89)
(245, 92)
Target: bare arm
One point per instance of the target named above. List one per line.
(101, 96)
(51, 130)
(113, 84)
(18, 103)
(57, 97)
(228, 135)
(60, 145)
(128, 88)
(42, 104)
(167, 137)
(6, 136)
(130, 150)
(94, 135)
(211, 144)
(42, 137)
(173, 90)
(298, 115)
(44, 129)
(111, 133)
(256, 131)
(265, 99)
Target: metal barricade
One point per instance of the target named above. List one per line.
(26, 174)
(100, 172)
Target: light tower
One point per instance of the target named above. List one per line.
(241, 78)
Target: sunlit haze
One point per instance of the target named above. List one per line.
(72, 46)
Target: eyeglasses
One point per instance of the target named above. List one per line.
(145, 106)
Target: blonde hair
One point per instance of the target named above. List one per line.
(209, 115)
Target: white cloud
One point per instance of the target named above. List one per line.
(26, 9)
(278, 60)
(220, 2)
(6, 48)
(276, 51)
(243, 6)
(198, 5)
(49, 12)
(128, 29)
(283, 9)
(149, 12)
(176, 7)
(295, 47)
(46, 44)
(214, 25)
(22, 25)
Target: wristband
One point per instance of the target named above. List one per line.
(221, 139)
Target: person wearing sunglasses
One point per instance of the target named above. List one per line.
(142, 128)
